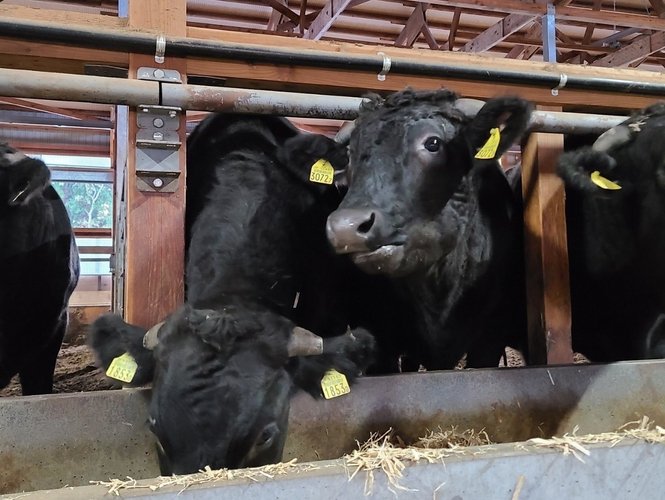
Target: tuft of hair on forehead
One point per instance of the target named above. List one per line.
(411, 102)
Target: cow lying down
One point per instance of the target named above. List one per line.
(260, 275)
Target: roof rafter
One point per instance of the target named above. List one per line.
(641, 47)
(498, 32)
(450, 44)
(535, 31)
(413, 27)
(326, 17)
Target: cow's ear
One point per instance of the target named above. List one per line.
(316, 159)
(497, 126)
(25, 179)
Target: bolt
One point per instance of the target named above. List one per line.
(145, 110)
(158, 136)
(158, 73)
(157, 182)
(158, 122)
(173, 114)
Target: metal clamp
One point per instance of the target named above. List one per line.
(158, 148)
(386, 67)
(563, 79)
(158, 75)
(160, 49)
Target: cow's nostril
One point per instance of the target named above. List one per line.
(365, 227)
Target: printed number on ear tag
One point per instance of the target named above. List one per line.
(322, 172)
(488, 151)
(334, 384)
(602, 182)
(122, 368)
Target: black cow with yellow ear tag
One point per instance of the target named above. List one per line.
(615, 215)
(430, 209)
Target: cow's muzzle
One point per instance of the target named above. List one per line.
(354, 230)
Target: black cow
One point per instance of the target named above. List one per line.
(259, 264)
(444, 226)
(616, 240)
(39, 269)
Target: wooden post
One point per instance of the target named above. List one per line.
(154, 272)
(547, 278)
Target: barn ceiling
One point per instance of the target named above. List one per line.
(614, 33)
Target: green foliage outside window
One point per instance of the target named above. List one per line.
(89, 204)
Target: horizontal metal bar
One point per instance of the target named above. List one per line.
(53, 121)
(31, 84)
(58, 175)
(132, 41)
(97, 435)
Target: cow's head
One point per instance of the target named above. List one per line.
(21, 177)
(223, 384)
(318, 161)
(408, 156)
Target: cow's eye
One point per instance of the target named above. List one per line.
(267, 436)
(433, 144)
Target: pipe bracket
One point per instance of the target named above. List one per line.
(563, 79)
(160, 49)
(387, 63)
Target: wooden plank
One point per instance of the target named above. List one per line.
(498, 32)
(640, 48)
(547, 283)
(92, 232)
(155, 221)
(327, 16)
(412, 28)
(61, 16)
(33, 106)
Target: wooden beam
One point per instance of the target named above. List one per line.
(280, 6)
(658, 7)
(327, 16)
(61, 16)
(535, 31)
(413, 27)
(154, 274)
(454, 25)
(275, 17)
(498, 32)
(642, 47)
(429, 37)
(303, 16)
(33, 106)
(547, 283)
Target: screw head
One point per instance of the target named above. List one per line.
(157, 182)
(158, 73)
(173, 114)
(158, 122)
(158, 136)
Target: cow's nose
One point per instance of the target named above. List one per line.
(353, 230)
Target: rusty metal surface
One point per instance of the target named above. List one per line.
(69, 439)
(50, 441)
(627, 471)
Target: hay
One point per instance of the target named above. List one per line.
(643, 430)
(387, 452)
(206, 476)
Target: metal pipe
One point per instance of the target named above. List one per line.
(128, 41)
(33, 84)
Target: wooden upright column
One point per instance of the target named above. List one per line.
(547, 278)
(154, 273)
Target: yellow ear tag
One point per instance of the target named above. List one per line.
(334, 384)
(488, 151)
(322, 172)
(602, 182)
(122, 368)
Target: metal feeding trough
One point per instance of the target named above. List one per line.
(68, 440)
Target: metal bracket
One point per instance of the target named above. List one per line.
(158, 148)
(158, 75)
